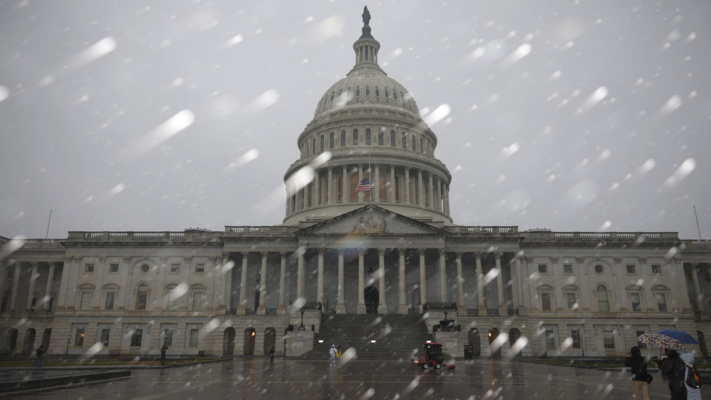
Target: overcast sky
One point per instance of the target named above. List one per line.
(569, 115)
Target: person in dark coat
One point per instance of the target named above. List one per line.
(638, 367)
(674, 368)
(39, 353)
(163, 350)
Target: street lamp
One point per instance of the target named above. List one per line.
(301, 328)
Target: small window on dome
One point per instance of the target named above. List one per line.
(381, 138)
(377, 92)
(343, 138)
(355, 137)
(395, 95)
(392, 139)
(386, 93)
(340, 92)
(404, 140)
(367, 137)
(367, 91)
(332, 141)
(331, 98)
(324, 100)
(358, 91)
(349, 94)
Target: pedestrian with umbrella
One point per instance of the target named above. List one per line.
(673, 366)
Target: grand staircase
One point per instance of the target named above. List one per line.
(397, 337)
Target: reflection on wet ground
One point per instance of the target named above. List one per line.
(256, 378)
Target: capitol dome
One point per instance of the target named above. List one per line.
(367, 133)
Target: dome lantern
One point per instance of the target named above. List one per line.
(366, 47)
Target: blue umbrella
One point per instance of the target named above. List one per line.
(683, 337)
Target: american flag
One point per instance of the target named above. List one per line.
(363, 186)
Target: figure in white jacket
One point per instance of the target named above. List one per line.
(333, 356)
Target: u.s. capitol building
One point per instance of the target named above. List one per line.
(392, 250)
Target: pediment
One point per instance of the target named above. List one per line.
(370, 220)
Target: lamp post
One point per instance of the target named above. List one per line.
(66, 352)
(301, 328)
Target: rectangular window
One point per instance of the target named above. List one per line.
(197, 301)
(79, 337)
(656, 269)
(89, 267)
(640, 345)
(84, 305)
(661, 301)
(635, 302)
(110, 300)
(105, 334)
(137, 338)
(168, 338)
(546, 301)
(575, 335)
(172, 303)
(608, 339)
(174, 268)
(568, 269)
(572, 303)
(194, 337)
(542, 268)
(550, 340)
(113, 268)
(200, 268)
(630, 269)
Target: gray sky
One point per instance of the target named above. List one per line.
(605, 119)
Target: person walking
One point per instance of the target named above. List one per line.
(674, 369)
(692, 393)
(163, 350)
(338, 355)
(271, 359)
(332, 352)
(39, 353)
(638, 367)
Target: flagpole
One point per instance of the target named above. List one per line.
(370, 174)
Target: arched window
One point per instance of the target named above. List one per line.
(422, 147)
(395, 94)
(381, 138)
(603, 301)
(357, 91)
(355, 137)
(343, 138)
(313, 147)
(367, 91)
(172, 298)
(324, 101)
(367, 137)
(414, 145)
(142, 297)
(392, 139)
(386, 93)
(354, 183)
(377, 92)
(322, 144)
(404, 140)
(332, 141)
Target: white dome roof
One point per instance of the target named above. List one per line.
(366, 86)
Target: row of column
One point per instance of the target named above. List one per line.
(438, 191)
(697, 288)
(382, 308)
(33, 280)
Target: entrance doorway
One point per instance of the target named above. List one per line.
(249, 340)
(29, 342)
(514, 336)
(269, 340)
(493, 334)
(45, 339)
(228, 346)
(371, 300)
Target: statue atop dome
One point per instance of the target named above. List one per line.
(366, 27)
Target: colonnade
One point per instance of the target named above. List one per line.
(421, 188)
(13, 298)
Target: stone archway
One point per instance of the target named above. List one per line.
(11, 341)
(371, 300)
(29, 342)
(493, 334)
(475, 340)
(228, 344)
(269, 340)
(249, 341)
(46, 336)
(514, 336)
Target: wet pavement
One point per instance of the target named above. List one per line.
(256, 378)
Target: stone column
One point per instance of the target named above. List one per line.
(222, 287)
(407, 185)
(420, 190)
(439, 195)
(518, 296)
(300, 276)
(361, 282)
(391, 189)
(480, 286)
(330, 185)
(341, 306)
(402, 304)
(317, 188)
(123, 303)
(442, 275)
(242, 308)
(446, 199)
(95, 299)
(375, 181)
(281, 309)
(48, 287)
(262, 308)
(430, 191)
(66, 268)
(15, 283)
(319, 281)
(382, 307)
(500, 285)
(361, 195)
(33, 279)
(697, 288)
(461, 308)
(346, 193)
(423, 280)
